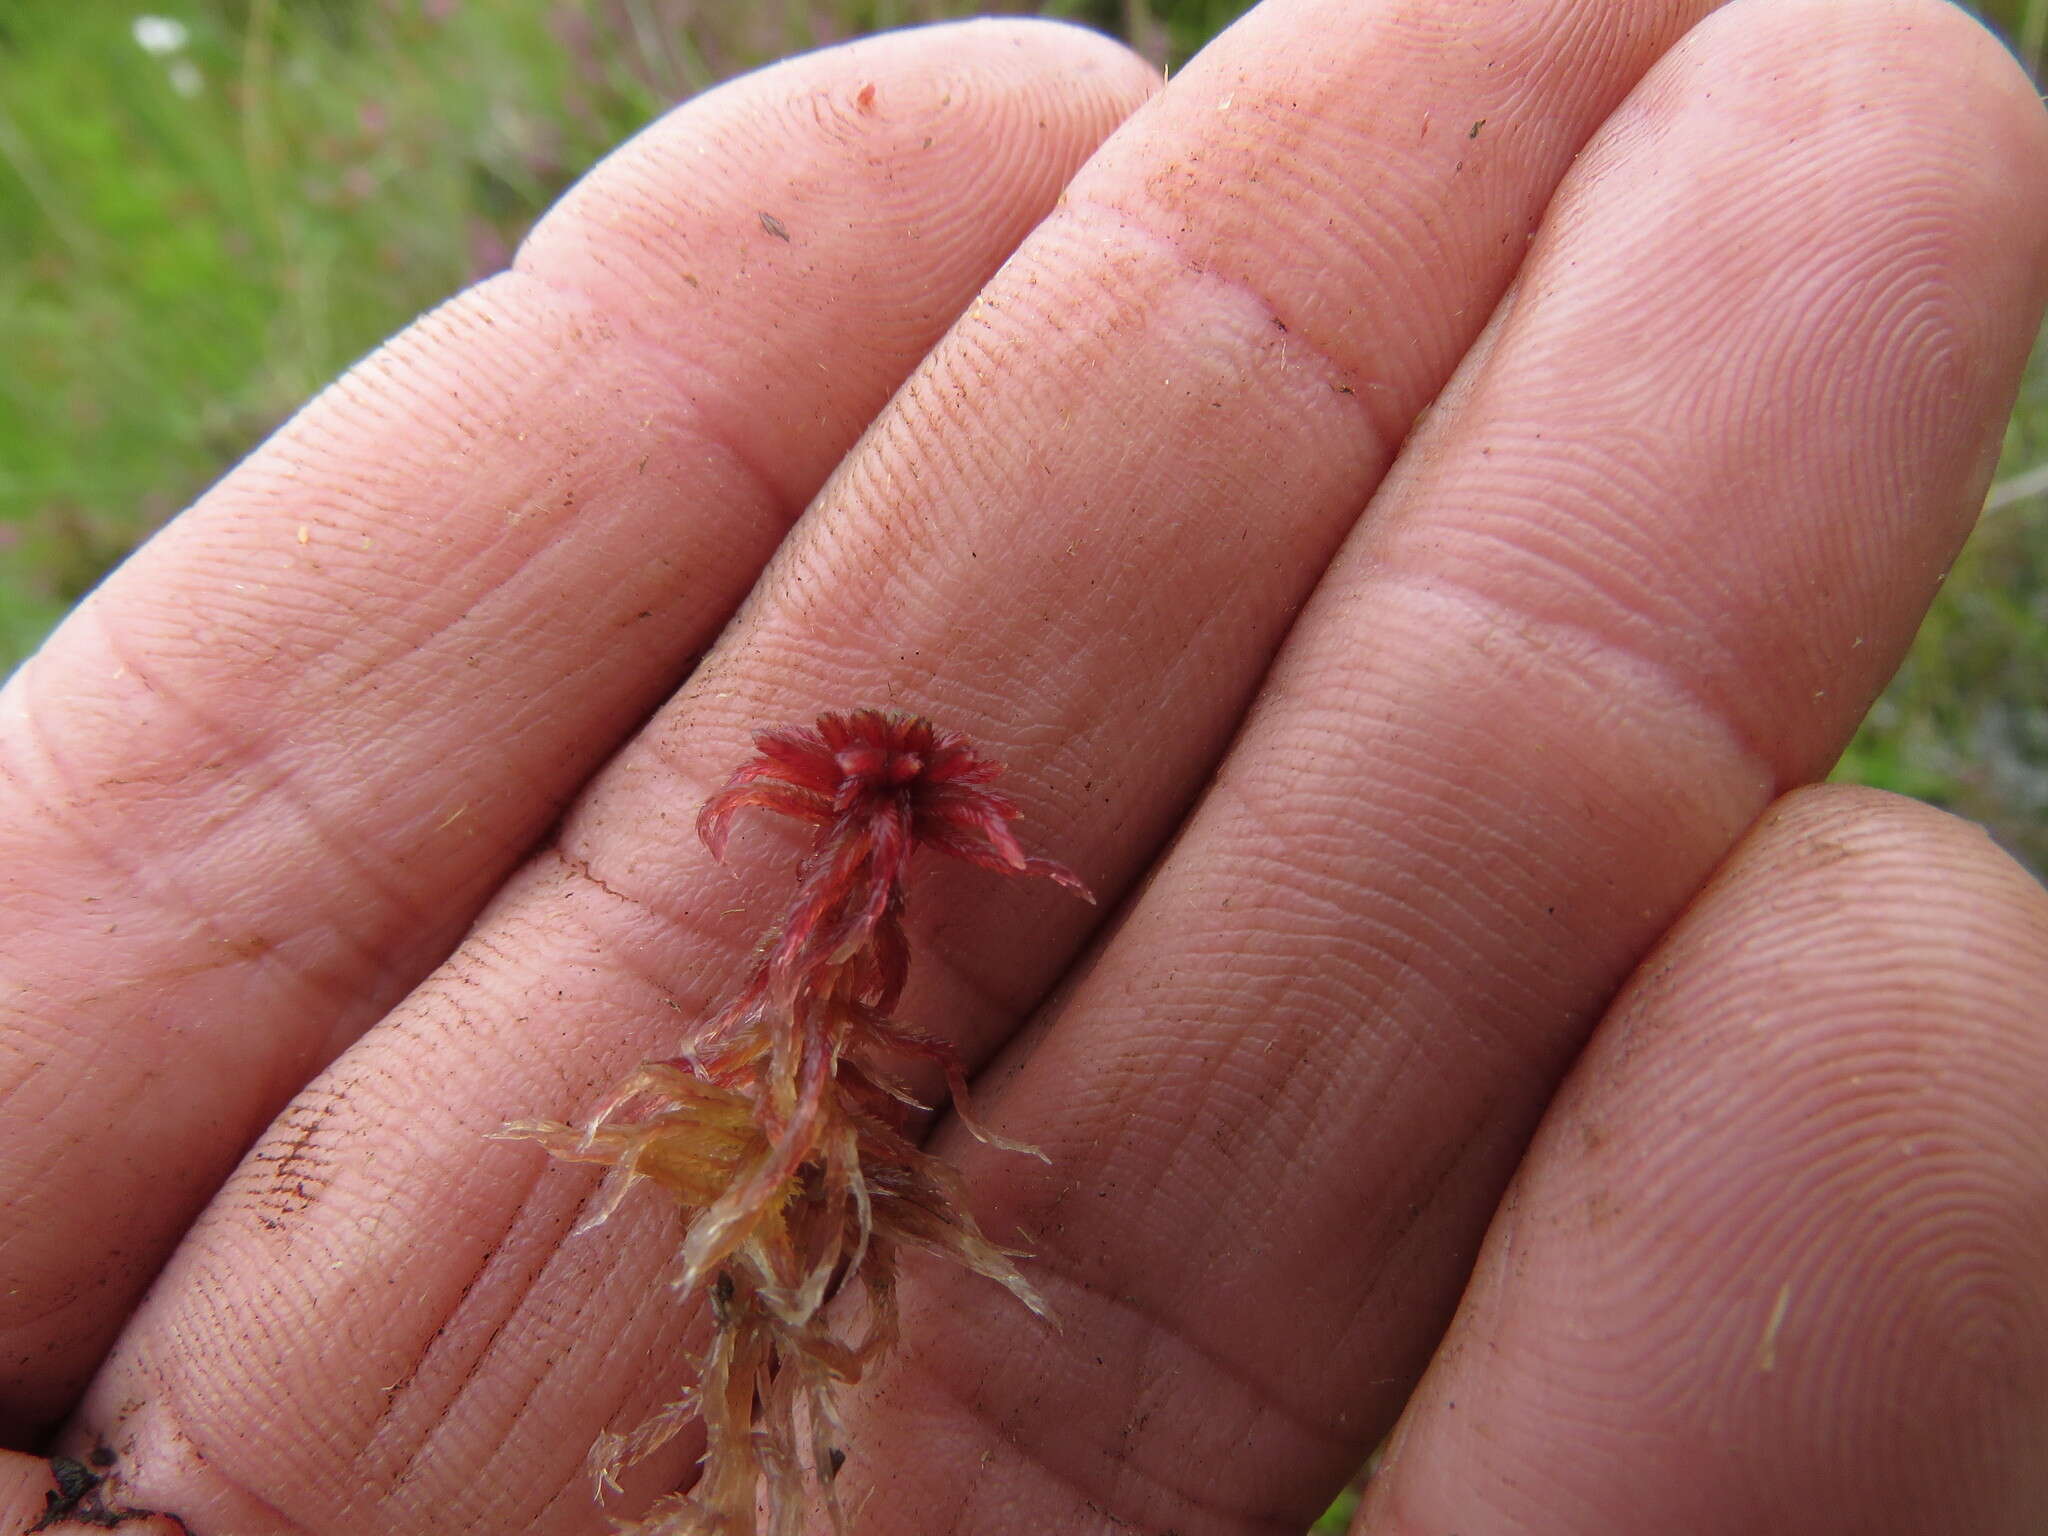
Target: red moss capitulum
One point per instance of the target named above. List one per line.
(782, 1135)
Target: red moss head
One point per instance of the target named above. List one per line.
(886, 782)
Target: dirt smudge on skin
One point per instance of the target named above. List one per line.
(83, 1495)
(296, 1158)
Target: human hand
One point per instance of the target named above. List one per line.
(327, 851)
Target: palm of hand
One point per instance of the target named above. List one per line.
(1410, 809)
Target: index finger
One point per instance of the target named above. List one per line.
(263, 779)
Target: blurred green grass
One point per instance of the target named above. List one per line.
(194, 238)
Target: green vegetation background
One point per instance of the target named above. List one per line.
(195, 237)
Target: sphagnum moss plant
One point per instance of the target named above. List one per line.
(782, 1135)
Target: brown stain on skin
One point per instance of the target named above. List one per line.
(296, 1164)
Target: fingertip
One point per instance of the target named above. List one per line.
(1073, 51)
(937, 130)
(1771, 1264)
(1875, 879)
(1932, 121)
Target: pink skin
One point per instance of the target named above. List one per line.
(1396, 803)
